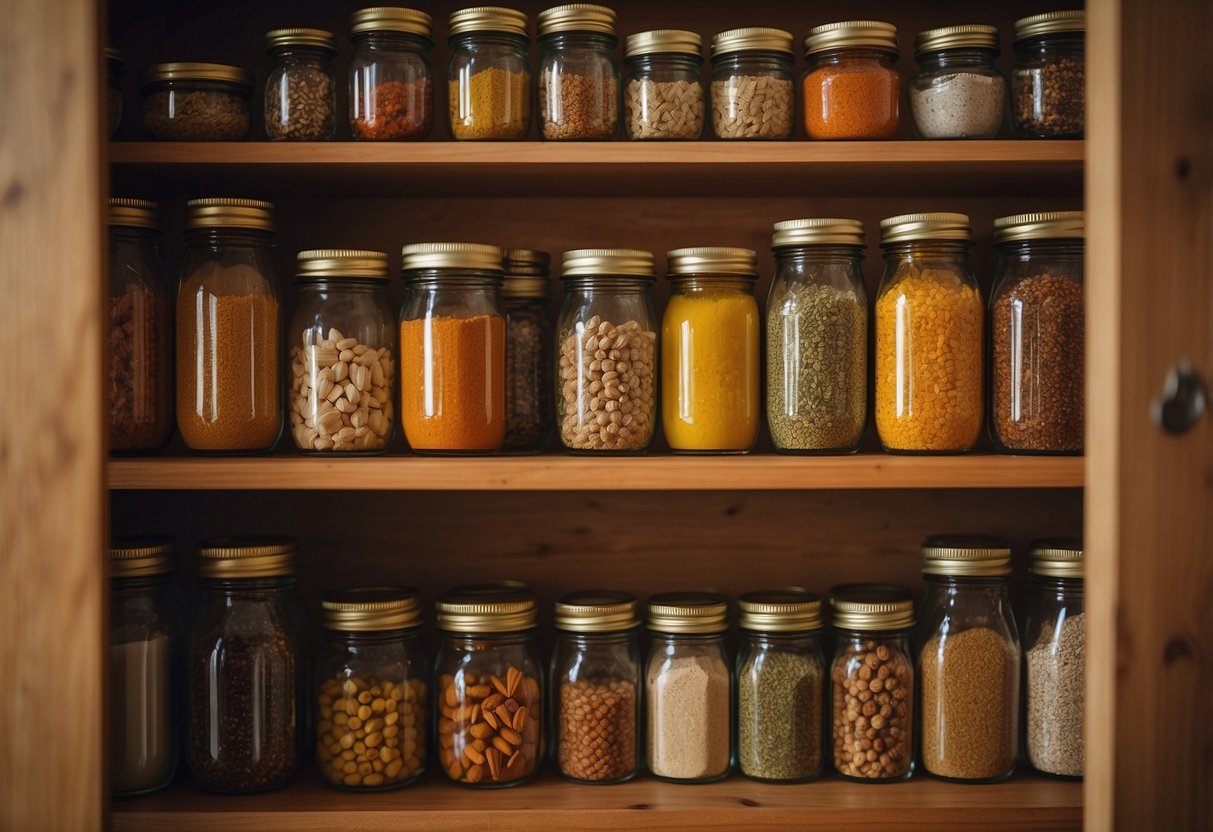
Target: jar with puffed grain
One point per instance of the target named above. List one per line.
(528, 355)
(578, 72)
(391, 78)
(196, 102)
(606, 343)
(372, 690)
(852, 89)
(663, 85)
(301, 90)
(114, 64)
(1048, 80)
(489, 79)
(752, 95)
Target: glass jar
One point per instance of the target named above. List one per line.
(114, 66)
(140, 353)
(958, 93)
(968, 661)
(596, 687)
(528, 355)
(752, 94)
(578, 72)
(143, 652)
(1055, 657)
(852, 89)
(780, 683)
(301, 90)
(817, 337)
(689, 688)
(929, 331)
(709, 337)
(663, 89)
(343, 353)
(1037, 327)
(229, 388)
(452, 346)
(196, 102)
(489, 80)
(246, 667)
(1049, 76)
(489, 686)
(873, 730)
(607, 321)
(391, 91)
(372, 690)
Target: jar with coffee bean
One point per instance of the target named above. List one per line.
(528, 355)
(196, 102)
(301, 90)
(391, 77)
(372, 690)
(114, 65)
(607, 339)
(596, 687)
(663, 91)
(578, 73)
(1048, 80)
(752, 95)
(872, 683)
(489, 706)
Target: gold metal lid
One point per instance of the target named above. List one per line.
(940, 225)
(852, 34)
(392, 19)
(115, 55)
(341, 262)
(246, 557)
(317, 38)
(664, 41)
(474, 256)
(489, 19)
(223, 212)
(753, 39)
(195, 71)
(688, 612)
(712, 260)
(871, 607)
(138, 557)
(1052, 225)
(1057, 558)
(965, 556)
(134, 213)
(790, 610)
(577, 17)
(371, 609)
(608, 261)
(1050, 23)
(526, 273)
(965, 36)
(507, 607)
(597, 612)
(830, 231)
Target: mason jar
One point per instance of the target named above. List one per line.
(578, 72)
(1037, 334)
(852, 89)
(196, 102)
(372, 689)
(958, 92)
(929, 337)
(1049, 77)
(752, 94)
(817, 337)
(343, 353)
(528, 355)
(606, 399)
(114, 66)
(229, 383)
(663, 85)
(596, 687)
(452, 346)
(301, 89)
(968, 661)
(391, 91)
(709, 340)
(489, 77)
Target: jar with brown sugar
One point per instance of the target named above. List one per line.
(578, 73)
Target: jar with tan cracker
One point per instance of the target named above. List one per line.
(752, 95)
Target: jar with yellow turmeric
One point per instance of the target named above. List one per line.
(489, 80)
(929, 323)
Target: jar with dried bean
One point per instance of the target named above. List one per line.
(958, 92)
(196, 102)
(663, 89)
(391, 80)
(596, 687)
(606, 398)
(114, 65)
(343, 353)
(301, 90)
(372, 690)
(872, 683)
(1048, 79)
(578, 72)
(852, 89)
(489, 80)
(528, 354)
(752, 95)
(489, 695)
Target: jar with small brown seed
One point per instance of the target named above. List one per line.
(663, 85)
(578, 73)
(1048, 99)
(752, 95)
(528, 355)
(301, 90)
(196, 102)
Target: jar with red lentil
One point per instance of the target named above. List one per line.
(578, 72)
(929, 337)
(528, 355)
(852, 89)
(1047, 82)
(391, 86)
(752, 95)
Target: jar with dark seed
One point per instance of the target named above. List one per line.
(528, 357)
(1047, 82)
(301, 91)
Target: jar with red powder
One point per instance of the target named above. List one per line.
(852, 89)
(391, 88)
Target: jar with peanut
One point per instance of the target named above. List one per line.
(371, 693)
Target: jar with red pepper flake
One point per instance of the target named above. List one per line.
(391, 89)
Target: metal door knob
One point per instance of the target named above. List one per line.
(1182, 401)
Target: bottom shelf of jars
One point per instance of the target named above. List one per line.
(551, 803)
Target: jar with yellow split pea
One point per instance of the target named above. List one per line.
(929, 330)
(372, 690)
(489, 79)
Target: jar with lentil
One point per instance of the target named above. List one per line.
(1049, 76)
(709, 340)
(114, 65)
(578, 72)
(752, 94)
(246, 667)
(958, 93)
(1055, 658)
(391, 87)
(490, 710)
(929, 330)
(596, 687)
(968, 661)
(872, 683)
(452, 348)
(1037, 334)
(343, 353)
(817, 337)
(229, 388)
(606, 397)
(852, 89)
(528, 355)
(780, 684)
(372, 690)
(196, 102)
(301, 90)
(689, 688)
(663, 87)
(489, 79)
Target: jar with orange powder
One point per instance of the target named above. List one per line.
(852, 89)
(391, 87)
